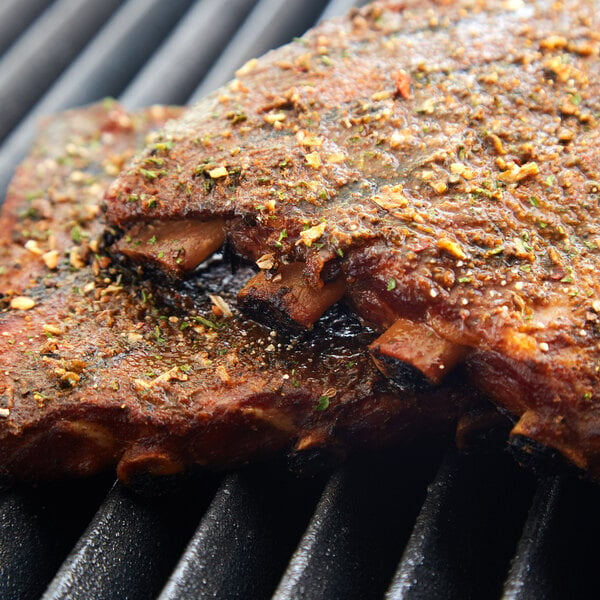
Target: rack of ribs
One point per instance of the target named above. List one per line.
(432, 165)
(99, 369)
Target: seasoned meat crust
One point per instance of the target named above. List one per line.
(440, 160)
(97, 372)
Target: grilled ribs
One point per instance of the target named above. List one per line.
(435, 164)
(98, 369)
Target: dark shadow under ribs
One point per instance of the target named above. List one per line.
(439, 160)
(100, 368)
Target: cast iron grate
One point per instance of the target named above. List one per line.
(419, 523)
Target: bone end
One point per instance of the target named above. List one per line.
(409, 348)
(174, 247)
(287, 299)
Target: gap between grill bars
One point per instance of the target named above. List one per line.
(420, 523)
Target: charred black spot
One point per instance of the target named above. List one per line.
(313, 461)
(539, 458)
(403, 375)
(272, 312)
(153, 486)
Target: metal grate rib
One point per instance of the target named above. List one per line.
(15, 16)
(456, 550)
(381, 527)
(245, 538)
(129, 547)
(194, 45)
(43, 51)
(556, 556)
(529, 572)
(358, 529)
(103, 69)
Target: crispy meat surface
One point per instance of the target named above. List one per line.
(440, 158)
(98, 370)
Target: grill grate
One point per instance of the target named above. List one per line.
(378, 527)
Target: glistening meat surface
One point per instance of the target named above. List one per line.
(438, 161)
(96, 370)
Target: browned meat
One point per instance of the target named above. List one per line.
(97, 372)
(442, 160)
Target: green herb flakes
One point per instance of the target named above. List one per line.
(207, 323)
(282, 235)
(76, 234)
(322, 403)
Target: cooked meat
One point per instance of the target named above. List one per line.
(441, 161)
(98, 371)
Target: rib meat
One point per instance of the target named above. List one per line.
(98, 369)
(440, 160)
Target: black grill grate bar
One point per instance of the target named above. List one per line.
(102, 69)
(38, 527)
(129, 547)
(43, 51)
(327, 563)
(245, 538)
(528, 577)
(456, 550)
(15, 17)
(557, 554)
(359, 528)
(270, 24)
(25, 548)
(172, 73)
